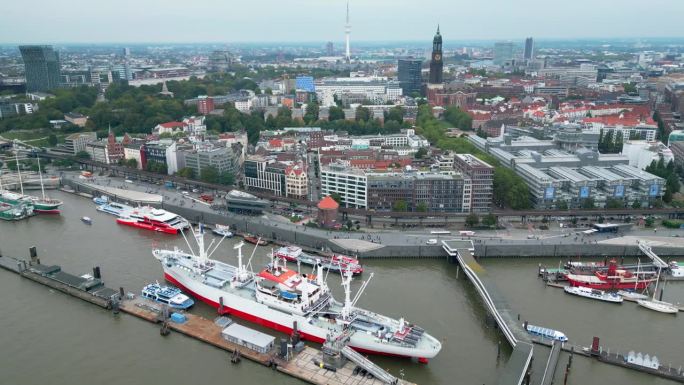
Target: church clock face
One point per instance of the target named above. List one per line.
(438, 57)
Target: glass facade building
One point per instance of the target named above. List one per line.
(41, 63)
(409, 75)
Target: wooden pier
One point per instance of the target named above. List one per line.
(303, 365)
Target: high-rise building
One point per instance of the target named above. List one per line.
(347, 33)
(205, 104)
(529, 49)
(436, 64)
(126, 52)
(409, 75)
(503, 51)
(41, 63)
(330, 49)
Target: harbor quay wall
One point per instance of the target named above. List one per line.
(313, 239)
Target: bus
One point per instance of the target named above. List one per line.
(440, 232)
(466, 233)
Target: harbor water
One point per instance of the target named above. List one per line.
(48, 337)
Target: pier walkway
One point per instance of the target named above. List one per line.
(498, 307)
(551, 363)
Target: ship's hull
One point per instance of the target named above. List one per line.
(608, 285)
(46, 207)
(147, 226)
(251, 310)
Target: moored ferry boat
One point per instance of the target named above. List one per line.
(545, 332)
(150, 218)
(339, 263)
(279, 298)
(168, 295)
(222, 231)
(15, 212)
(611, 279)
(593, 294)
(113, 208)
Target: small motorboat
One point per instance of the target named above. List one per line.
(87, 220)
(222, 231)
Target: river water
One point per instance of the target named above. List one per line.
(48, 337)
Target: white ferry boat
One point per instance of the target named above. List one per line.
(593, 294)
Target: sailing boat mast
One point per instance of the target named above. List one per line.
(40, 174)
(21, 185)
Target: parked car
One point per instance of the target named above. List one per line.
(431, 241)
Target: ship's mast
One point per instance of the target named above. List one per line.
(21, 185)
(199, 237)
(242, 270)
(346, 283)
(40, 174)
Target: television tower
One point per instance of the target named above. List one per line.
(347, 32)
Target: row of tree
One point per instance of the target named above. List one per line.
(667, 172)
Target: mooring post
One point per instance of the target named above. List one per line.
(33, 254)
(220, 309)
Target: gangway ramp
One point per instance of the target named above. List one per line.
(657, 261)
(551, 363)
(370, 367)
(498, 307)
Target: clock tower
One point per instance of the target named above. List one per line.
(436, 63)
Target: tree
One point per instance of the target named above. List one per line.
(588, 203)
(421, 153)
(395, 114)
(614, 203)
(349, 224)
(226, 178)
(562, 205)
(363, 114)
(209, 174)
(82, 155)
(311, 114)
(335, 113)
(132, 163)
(422, 207)
(636, 204)
(659, 204)
(459, 118)
(649, 222)
(186, 172)
(337, 198)
(400, 205)
(52, 140)
(472, 220)
(489, 220)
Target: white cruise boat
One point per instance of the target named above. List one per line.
(153, 219)
(593, 294)
(280, 298)
(656, 305)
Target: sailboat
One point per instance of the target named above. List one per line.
(633, 294)
(44, 205)
(654, 304)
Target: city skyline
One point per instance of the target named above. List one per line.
(246, 23)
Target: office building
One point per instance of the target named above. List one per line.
(419, 191)
(330, 49)
(76, 143)
(41, 63)
(223, 159)
(528, 54)
(305, 83)
(265, 175)
(503, 52)
(481, 176)
(409, 74)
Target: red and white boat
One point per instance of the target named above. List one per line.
(150, 218)
(281, 299)
(611, 279)
(340, 263)
(255, 240)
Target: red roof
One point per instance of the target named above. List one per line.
(328, 203)
(275, 143)
(173, 124)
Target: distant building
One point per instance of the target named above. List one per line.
(503, 52)
(42, 67)
(409, 74)
(528, 54)
(205, 104)
(133, 151)
(330, 49)
(76, 143)
(76, 119)
(436, 62)
(305, 83)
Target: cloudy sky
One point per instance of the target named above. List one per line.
(99, 21)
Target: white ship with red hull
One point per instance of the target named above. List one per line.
(278, 297)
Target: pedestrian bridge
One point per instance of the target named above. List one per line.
(510, 325)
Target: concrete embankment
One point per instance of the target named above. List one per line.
(394, 245)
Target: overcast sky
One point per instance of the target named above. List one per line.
(104, 21)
